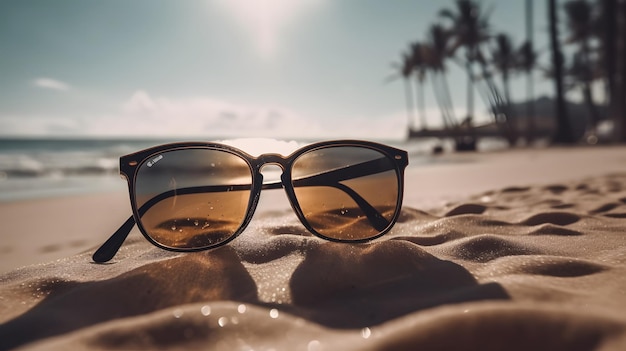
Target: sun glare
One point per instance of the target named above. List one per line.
(265, 19)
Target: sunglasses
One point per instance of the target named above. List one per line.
(197, 196)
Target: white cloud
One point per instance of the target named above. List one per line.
(209, 116)
(52, 84)
(205, 118)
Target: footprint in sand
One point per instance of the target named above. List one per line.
(50, 248)
(558, 218)
(554, 266)
(78, 243)
(556, 188)
(615, 215)
(485, 248)
(515, 189)
(556, 204)
(466, 209)
(551, 229)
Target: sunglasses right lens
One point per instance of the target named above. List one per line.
(192, 198)
(346, 192)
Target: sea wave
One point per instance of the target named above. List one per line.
(41, 158)
(54, 165)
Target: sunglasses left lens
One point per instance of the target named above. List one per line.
(192, 198)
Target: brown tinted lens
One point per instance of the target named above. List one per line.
(346, 193)
(192, 198)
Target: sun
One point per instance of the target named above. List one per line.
(266, 19)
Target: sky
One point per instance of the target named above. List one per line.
(211, 68)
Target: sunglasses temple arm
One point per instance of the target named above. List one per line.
(110, 247)
(378, 221)
(333, 179)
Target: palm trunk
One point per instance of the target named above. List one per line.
(441, 101)
(530, 99)
(470, 88)
(563, 134)
(531, 126)
(448, 99)
(408, 96)
(488, 99)
(442, 94)
(467, 143)
(505, 86)
(438, 98)
(610, 16)
(512, 125)
(502, 106)
(621, 125)
(587, 91)
(420, 102)
(591, 106)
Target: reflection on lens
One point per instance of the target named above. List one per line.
(192, 198)
(346, 193)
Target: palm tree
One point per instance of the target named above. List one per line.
(580, 22)
(470, 28)
(564, 131)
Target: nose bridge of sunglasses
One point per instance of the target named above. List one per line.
(272, 159)
(271, 167)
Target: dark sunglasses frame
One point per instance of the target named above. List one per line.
(130, 165)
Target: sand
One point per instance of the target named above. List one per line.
(516, 250)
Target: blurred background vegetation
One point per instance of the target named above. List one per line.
(587, 49)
